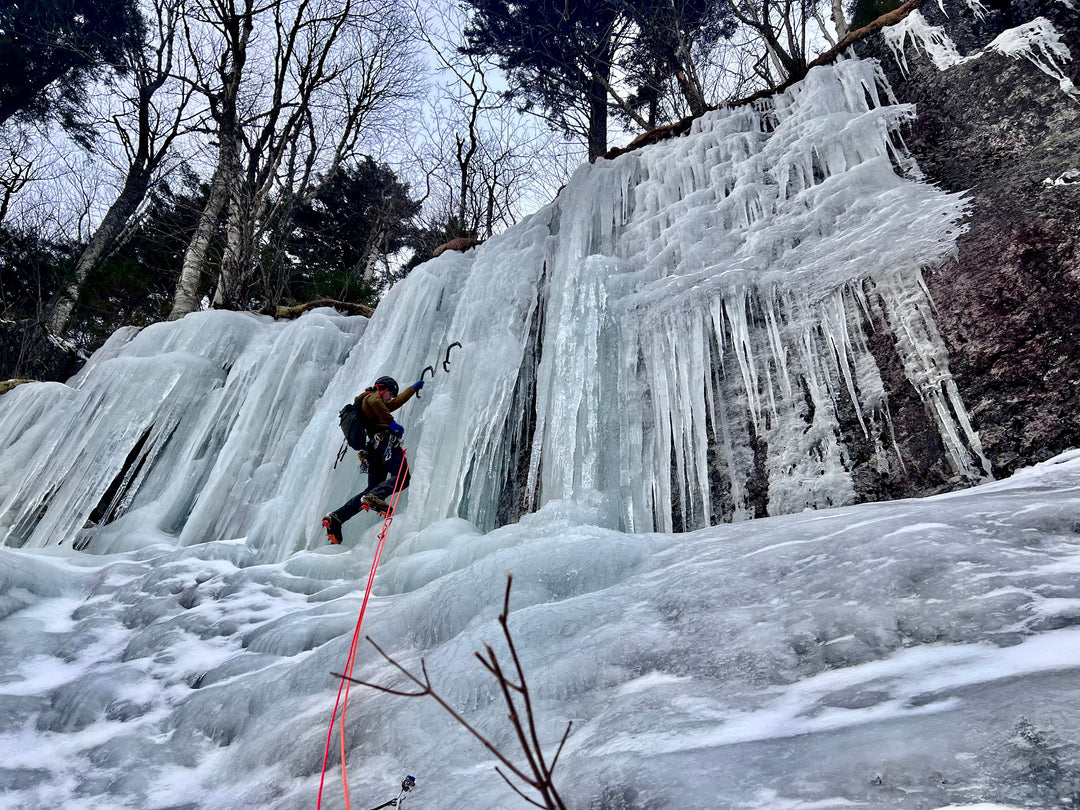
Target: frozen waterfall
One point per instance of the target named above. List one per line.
(711, 328)
(681, 337)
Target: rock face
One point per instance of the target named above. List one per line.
(1003, 130)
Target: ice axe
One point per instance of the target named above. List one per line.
(445, 364)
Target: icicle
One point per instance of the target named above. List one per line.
(1038, 42)
(932, 39)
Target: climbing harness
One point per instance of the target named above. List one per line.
(407, 784)
(393, 442)
(343, 687)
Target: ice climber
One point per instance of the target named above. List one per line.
(383, 454)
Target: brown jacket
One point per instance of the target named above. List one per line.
(376, 413)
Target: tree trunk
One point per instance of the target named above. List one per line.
(682, 64)
(103, 242)
(371, 254)
(598, 111)
(238, 259)
(237, 28)
(187, 295)
(839, 21)
(691, 92)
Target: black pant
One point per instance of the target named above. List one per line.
(383, 474)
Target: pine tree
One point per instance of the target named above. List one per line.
(363, 214)
(558, 55)
(50, 50)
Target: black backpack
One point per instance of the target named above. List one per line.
(352, 425)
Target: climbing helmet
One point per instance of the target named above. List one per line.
(387, 384)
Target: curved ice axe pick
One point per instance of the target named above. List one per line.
(446, 362)
(422, 373)
(445, 365)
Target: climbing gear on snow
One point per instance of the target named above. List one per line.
(333, 529)
(407, 784)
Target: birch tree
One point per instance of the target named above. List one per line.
(217, 34)
(322, 74)
(145, 142)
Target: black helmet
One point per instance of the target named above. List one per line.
(387, 383)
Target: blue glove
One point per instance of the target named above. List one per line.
(396, 429)
(418, 384)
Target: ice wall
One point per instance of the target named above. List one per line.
(681, 337)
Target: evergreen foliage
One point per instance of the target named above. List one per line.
(556, 54)
(562, 55)
(31, 268)
(866, 11)
(362, 215)
(672, 35)
(424, 240)
(51, 49)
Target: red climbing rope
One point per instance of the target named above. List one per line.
(343, 687)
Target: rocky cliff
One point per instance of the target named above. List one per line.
(998, 117)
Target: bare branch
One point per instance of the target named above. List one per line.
(538, 776)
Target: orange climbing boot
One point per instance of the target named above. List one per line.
(333, 529)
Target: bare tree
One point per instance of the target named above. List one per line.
(19, 157)
(481, 159)
(217, 33)
(146, 146)
(323, 74)
(790, 32)
(348, 89)
(536, 774)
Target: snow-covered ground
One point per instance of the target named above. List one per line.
(912, 654)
